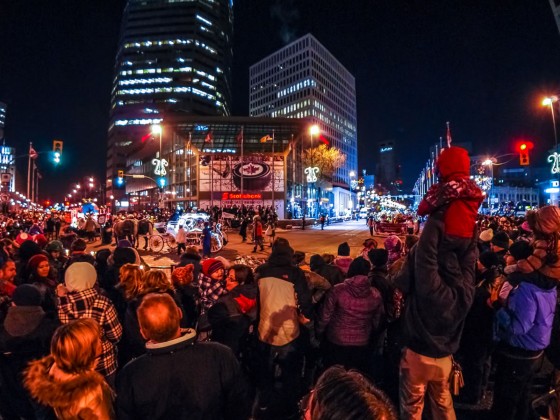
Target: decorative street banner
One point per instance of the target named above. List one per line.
(555, 160)
(225, 173)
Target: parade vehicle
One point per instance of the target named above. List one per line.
(193, 223)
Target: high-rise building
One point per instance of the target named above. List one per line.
(386, 168)
(304, 80)
(2, 118)
(174, 56)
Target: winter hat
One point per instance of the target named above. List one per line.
(344, 249)
(378, 257)
(124, 243)
(21, 238)
(547, 220)
(35, 260)
(486, 235)
(316, 261)
(489, 259)
(210, 266)
(501, 239)
(27, 249)
(40, 239)
(122, 256)
(78, 245)
(54, 246)
(27, 295)
(359, 266)
(453, 161)
(80, 276)
(520, 250)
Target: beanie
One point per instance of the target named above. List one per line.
(40, 240)
(520, 250)
(27, 295)
(80, 276)
(344, 249)
(486, 235)
(378, 257)
(122, 256)
(35, 260)
(316, 262)
(489, 259)
(54, 246)
(21, 238)
(210, 266)
(501, 239)
(27, 249)
(453, 161)
(359, 266)
(78, 245)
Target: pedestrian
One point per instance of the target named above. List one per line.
(258, 233)
(206, 240)
(343, 259)
(181, 240)
(66, 381)
(371, 224)
(437, 279)
(322, 221)
(243, 228)
(179, 377)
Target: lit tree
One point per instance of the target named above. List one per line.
(327, 159)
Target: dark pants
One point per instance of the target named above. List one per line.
(514, 376)
(351, 357)
(371, 231)
(279, 382)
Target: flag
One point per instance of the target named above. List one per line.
(448, 135)
(239, 136)
(265, 139)
(146, 137)
(32, 152)
(209, 137)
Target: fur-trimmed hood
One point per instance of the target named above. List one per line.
(81, 396)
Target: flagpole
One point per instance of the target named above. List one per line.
(272, 208)
(242, 163)
(33, 182)
(189, 168)
(29, 171)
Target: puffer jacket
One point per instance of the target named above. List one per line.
(81, 396)
(526, 321)
(351, 312)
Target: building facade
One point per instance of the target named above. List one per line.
(2, 118)
(173, 57)
(304, 80)
(220, 161)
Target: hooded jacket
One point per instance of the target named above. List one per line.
(81, 396)
(438, 280)
(352, 310)
(332, 273)
(282, 295)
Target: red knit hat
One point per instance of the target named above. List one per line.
(453, 162)
(211, 265)
(35, 260)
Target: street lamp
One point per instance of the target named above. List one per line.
(490, 162)
(314, 130)
(160, 170)
(549, 101)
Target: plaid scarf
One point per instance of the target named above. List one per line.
(444, 193)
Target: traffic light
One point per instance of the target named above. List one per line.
(161, 182)
(523, 147)
(120, 177)
(57, 150)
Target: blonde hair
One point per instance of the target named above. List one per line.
(75, 345)
(130, 280)
(155, 281)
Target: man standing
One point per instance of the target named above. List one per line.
(179, 377)
(284, 302)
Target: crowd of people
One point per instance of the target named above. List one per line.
(377, 335)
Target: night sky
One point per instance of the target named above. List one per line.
(483, 65)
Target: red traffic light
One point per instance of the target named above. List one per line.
(523, 146)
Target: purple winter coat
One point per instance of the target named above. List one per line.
(351, 311)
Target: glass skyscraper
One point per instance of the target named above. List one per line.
(174, 56)
(2, 118)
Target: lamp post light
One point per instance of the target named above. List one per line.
(160, 166)
(490, 162)
(314, 130)
(549, 101)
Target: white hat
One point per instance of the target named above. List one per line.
(80, 276)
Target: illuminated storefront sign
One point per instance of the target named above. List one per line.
(239, 196)
(6, 155)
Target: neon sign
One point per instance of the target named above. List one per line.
(160, 165)
(385, 149)
(555, 159)
(311, 173)
(239, 196)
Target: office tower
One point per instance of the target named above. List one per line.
(2, 119)
(173, 57)
(304, 80)
(386, 168)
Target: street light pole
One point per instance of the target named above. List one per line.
(314, 130)
(549, 101)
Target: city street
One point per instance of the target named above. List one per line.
(312, 240)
